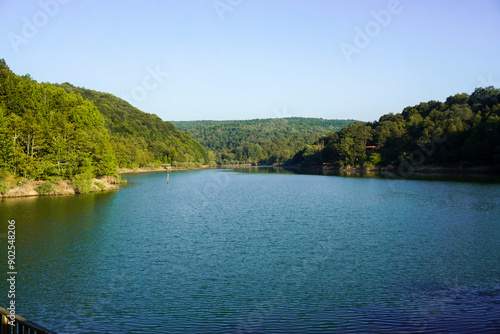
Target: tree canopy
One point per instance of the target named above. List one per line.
(267, 141)
(463, 130)
(45, 131)
(139, 138)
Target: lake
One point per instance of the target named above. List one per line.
(260, 251)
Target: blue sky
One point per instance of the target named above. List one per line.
(245, 59)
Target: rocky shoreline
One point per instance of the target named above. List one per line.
(28, 188)
(61, 187)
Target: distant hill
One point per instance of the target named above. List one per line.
(272, 140)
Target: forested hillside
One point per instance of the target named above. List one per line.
(268, 141)
(60, 130)
(139, 138)
(462, 131)
(45, 131)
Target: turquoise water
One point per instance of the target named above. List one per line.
(228, 251)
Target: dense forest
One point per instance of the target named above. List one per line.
(61, 131)
(139, 138)
(265, 141)
(45, 131)
(462, 131)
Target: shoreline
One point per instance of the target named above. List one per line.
(444, 170)
(100, 184)
(62, 187)
(124, 171)
(110, 183)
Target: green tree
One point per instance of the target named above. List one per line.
(254, 153)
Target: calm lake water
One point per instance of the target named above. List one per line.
(240, 251)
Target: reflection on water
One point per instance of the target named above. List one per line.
(386, 175)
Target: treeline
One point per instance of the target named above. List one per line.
(264, 141)
(61, 131)
(139, 138)
(45, 131)
(462, 131)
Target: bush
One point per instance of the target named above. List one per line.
(54, 179)
(119, 180)
(4, 174)
(22, 181)
(4, 187)
(82, 183)
(46, 188)
(375, 159)
(154, 165)
(100, 185)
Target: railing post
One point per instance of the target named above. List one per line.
(22, 325)
(4, 329)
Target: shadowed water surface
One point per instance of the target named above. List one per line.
(227, 251)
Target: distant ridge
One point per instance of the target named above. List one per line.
(269, 140)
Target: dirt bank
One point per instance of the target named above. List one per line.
(64, 187)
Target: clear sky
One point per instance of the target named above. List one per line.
(245, 59)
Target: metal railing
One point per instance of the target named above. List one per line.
(21, 325)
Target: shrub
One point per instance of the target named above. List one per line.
(375, 159)
(4, 174)
(22, 181)
(119, 180)
(154, 165)
(82, 183)
(54, 179)
(4, 187)
(100, 185)
(46, 188)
